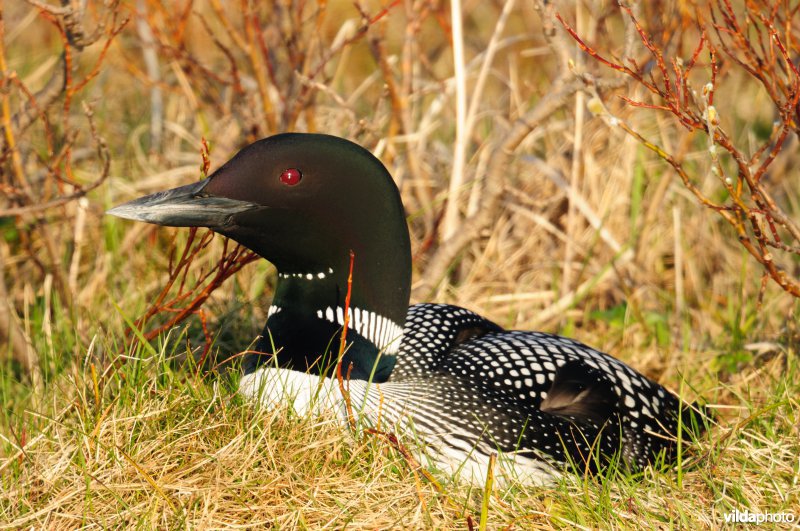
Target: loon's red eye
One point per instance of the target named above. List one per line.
(291, 176)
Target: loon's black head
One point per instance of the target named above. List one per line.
(303, 202)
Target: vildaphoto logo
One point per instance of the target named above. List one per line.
(746, 517)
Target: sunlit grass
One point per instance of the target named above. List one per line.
(149, 443)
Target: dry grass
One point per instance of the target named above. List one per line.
(173, 458)
(577, 229)
(162, 451)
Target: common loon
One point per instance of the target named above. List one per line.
(465, 387)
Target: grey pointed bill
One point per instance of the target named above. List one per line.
(185, 206)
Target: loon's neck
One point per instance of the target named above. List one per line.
(307, 313)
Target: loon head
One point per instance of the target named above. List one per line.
(304, 202)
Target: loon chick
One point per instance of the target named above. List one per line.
(465, 386)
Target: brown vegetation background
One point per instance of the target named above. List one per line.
(525, 203)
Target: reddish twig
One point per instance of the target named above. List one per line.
(343, 347)
(763, 47)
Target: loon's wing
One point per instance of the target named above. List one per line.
(534, 372)
(581, 392)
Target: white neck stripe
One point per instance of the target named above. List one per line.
(382, 331)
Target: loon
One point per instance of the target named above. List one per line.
(314, 205)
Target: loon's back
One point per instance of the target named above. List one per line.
(545, 397)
